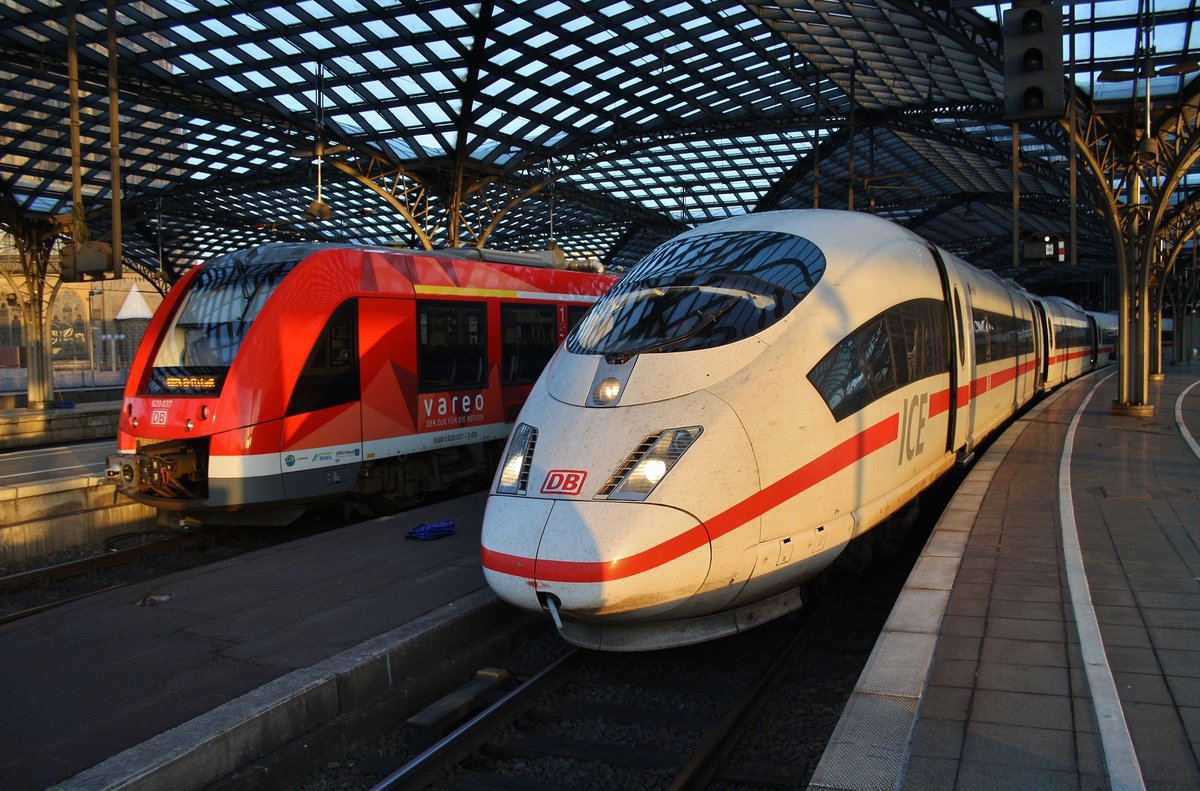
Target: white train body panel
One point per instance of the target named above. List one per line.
(765, 415)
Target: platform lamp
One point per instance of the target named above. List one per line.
(319, 209)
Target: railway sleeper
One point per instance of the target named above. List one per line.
(482, 781)
(559, 710)
(436, 720)
(532, 746)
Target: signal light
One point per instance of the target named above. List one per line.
(1033, 62)
(1044, 249)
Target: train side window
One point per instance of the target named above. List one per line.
(529, 335)
(904, 344)
(575, 314)
(983, 336)
(451, 345)
(1067, 336)
(1000, 336)
(330, 377)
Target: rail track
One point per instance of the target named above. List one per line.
(747, 712)
(686, 718)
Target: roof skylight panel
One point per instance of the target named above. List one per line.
(502, 56)
(409, 26)
(233, 83)
(348, 35)
(218, 27)
(185, 32)
(317, 40)
(197, 63)
(314, 9)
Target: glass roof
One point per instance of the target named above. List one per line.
(603, 125)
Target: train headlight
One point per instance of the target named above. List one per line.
(514, 472)
(649, 463)
(654, 470)
(608, 389)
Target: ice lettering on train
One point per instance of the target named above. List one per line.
(912, 427)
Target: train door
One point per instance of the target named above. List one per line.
(1047, 342)
(1039, 343)
(387, 351)
(322, 428)
(529, 334)
(1093, 334)
(957, 431)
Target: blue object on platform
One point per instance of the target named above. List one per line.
(427, 531)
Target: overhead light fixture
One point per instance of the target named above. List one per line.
(319, 210)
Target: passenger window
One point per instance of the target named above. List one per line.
(575, 314)
(1001, 336)
(529, 336)
(451, 345)
(983, 336)
(904, 344)
(330, 377)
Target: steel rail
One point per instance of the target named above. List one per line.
(423, 769)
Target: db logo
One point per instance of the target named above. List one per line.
(158, 417)
(568, 482)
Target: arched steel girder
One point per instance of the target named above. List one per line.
(1178, 136)
(805, 165)
(982, 40)
(904, 120)
(1184, 224)
(1112, 157)
(413, 190)
(1000, 200)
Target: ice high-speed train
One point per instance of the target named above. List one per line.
(748, 399)
(288, 374)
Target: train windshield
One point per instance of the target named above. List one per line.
(701, 292)
(213, 318)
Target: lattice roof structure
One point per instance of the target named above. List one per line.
(604, 126)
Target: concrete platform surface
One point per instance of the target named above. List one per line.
(1049, 635)
(306, 627)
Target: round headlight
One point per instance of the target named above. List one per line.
(654, 470)
(606, 391)
(189, 425)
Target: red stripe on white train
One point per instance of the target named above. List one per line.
(835, 460)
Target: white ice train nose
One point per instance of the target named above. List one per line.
(637, 559)
(609, 514)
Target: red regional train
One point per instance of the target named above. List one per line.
(278, 376)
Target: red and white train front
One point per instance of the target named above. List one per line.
(286, 374)
(749, 398)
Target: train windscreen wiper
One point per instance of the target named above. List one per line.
(706, 320)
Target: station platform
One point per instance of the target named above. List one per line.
(1049, 635)
(53, 490)
(24, 428)
(174, 683)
